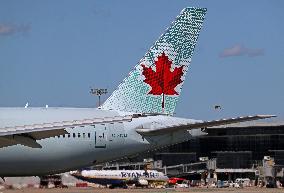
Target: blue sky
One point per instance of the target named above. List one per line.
(52, 52)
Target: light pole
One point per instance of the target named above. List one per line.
(98, 92)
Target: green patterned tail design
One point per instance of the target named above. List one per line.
(155, 83)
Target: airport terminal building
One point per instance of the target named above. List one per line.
(244, 150)
(247, 141)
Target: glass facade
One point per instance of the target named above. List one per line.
(249, 144)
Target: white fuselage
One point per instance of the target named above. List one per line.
(126, 175)
(81, 146)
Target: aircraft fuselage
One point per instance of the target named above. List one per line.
(80, 146)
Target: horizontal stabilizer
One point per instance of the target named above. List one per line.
(201, 124)
(28, 134)
(25, 140)
(5, 131)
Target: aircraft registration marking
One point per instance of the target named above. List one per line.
(121, 135)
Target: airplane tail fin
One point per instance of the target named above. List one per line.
(154, 85)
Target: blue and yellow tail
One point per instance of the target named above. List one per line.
(155, 83)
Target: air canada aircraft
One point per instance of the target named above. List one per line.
(137, 117)
(121, 178)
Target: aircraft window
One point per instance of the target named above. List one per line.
(84, 135)
(69, 135)
(79, 135)
(74, 135)
(58, 136)
(89, 135)
(63, 136)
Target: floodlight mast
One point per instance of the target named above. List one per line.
(98, 92)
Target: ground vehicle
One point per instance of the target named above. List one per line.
(243, 182)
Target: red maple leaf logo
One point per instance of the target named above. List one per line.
(163, 80)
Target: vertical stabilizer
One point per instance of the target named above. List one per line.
(155, 83)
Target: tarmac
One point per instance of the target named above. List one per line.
(105, 190)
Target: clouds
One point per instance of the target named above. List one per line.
(11, 29)
(240, 50)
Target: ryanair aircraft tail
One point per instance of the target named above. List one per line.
(155, 83)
